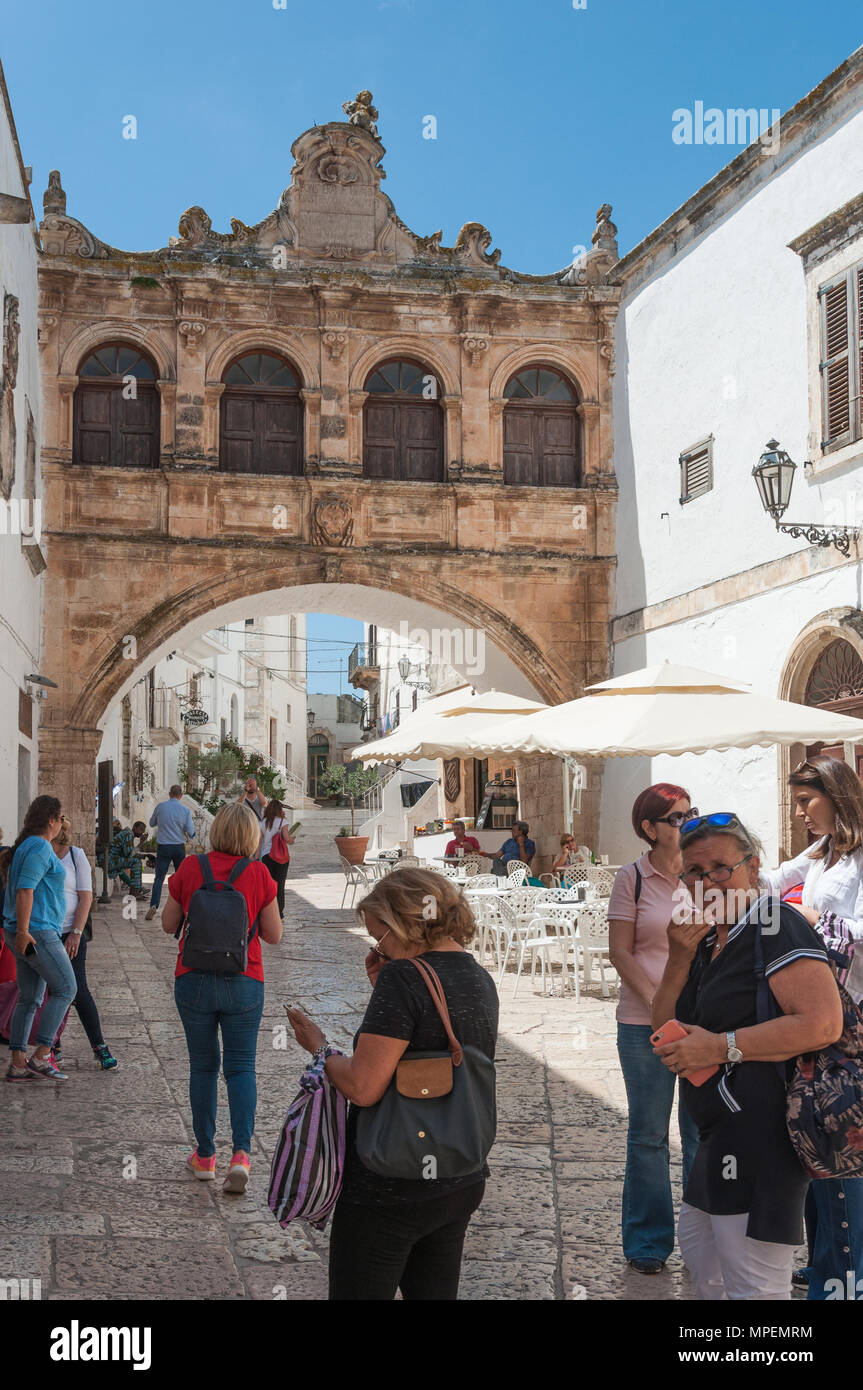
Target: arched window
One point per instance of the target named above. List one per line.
(116, 410)
(261, 417)
(541, 430)
(836, 683)
(403, 424)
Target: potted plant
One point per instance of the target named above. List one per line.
(351, 782)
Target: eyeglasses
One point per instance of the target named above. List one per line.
(376, 945)
(676, 818)
(721, 875)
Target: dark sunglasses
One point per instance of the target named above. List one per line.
(677, 817)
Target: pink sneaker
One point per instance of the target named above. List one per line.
(238, 1173)
(203, 1168)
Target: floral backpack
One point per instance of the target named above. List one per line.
(824, 1112)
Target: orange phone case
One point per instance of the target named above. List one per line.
(673, 1032)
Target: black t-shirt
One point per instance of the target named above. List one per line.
(402, 1007)
(744, 1161)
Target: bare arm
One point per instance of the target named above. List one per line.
(621, 948)
(364, 1077)
(812, 1018)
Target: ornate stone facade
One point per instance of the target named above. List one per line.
(333, 282)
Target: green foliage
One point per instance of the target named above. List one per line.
(213, 778)
(146, 282)
(351, 781)
(254, 765)
(345, 830)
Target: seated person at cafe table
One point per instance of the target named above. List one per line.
(518, 846)
(466, 843)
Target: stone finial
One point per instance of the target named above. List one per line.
(605, 233)
(362, 113)
(54, 197)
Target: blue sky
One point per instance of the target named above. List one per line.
(543, 110)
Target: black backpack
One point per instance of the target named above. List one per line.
(217, 932)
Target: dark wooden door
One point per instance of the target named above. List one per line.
(115, 432)
(261, 432)
(540, 446)
(402, 438)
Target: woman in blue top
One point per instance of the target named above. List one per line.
(33, 913)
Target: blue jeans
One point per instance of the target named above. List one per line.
(233, 1003)
(50, 966)
(648, 1211)
(837, 1248)
(165, 856)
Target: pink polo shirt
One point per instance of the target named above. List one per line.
(651, 915)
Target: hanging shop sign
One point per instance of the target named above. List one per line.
(195, 717)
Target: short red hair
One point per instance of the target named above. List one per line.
(654, 802)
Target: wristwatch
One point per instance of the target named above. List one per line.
(77, 931)
(733, 1054)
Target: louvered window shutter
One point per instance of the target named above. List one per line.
(696, 471)
(837, 362)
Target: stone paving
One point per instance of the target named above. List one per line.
(96, 1201)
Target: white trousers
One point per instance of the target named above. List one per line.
(725, 1263)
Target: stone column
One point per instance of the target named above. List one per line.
(67, 769)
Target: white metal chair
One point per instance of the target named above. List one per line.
(592, 936)
(543, 936)
(500, 926)
(483, 881)
(516, 869)
(471, 865)
(576, 873)
(355, 877)
(553, 895)
(600, 880)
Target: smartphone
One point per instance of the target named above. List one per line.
(295, 827)
(30, 950)
(673, 1032)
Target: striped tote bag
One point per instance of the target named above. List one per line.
(308, 1164)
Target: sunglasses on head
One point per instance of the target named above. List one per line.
(676, 818)
(720, 819)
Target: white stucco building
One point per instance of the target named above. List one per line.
(742, 322)
(21, 557)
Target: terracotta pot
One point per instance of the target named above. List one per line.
(352, 847)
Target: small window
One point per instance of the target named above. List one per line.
(841, 365)
(696, 471)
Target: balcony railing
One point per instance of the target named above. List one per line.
(363, 664)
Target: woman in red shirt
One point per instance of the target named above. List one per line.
(207, 1002)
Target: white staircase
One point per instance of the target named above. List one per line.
(315, 848)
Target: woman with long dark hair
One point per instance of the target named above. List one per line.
(274, 828)
(639, 911)
(829, 801)
(75, 933)
(33, 911)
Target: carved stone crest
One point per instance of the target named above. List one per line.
(332, 168)
(332, 522)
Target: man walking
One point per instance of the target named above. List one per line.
(254, 798)
(173, 822)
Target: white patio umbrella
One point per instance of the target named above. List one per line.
(447, 734)
(663, 709)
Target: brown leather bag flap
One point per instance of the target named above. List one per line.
(424, 1078)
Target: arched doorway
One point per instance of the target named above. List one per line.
(318, 760)
(403, 424)
(261, 417)
(824, 669)
(116, 409)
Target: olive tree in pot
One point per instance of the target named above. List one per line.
(351, 782)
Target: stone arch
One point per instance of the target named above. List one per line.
(836, 624)
(411, 345)
(262, 340)
(573, 365)
(108, 667)
(94, 335)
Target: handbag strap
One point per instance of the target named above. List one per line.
(435, 989)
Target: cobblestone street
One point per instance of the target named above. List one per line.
(97, 1203)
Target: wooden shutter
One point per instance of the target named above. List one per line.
(696, 471)
(837, 362)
